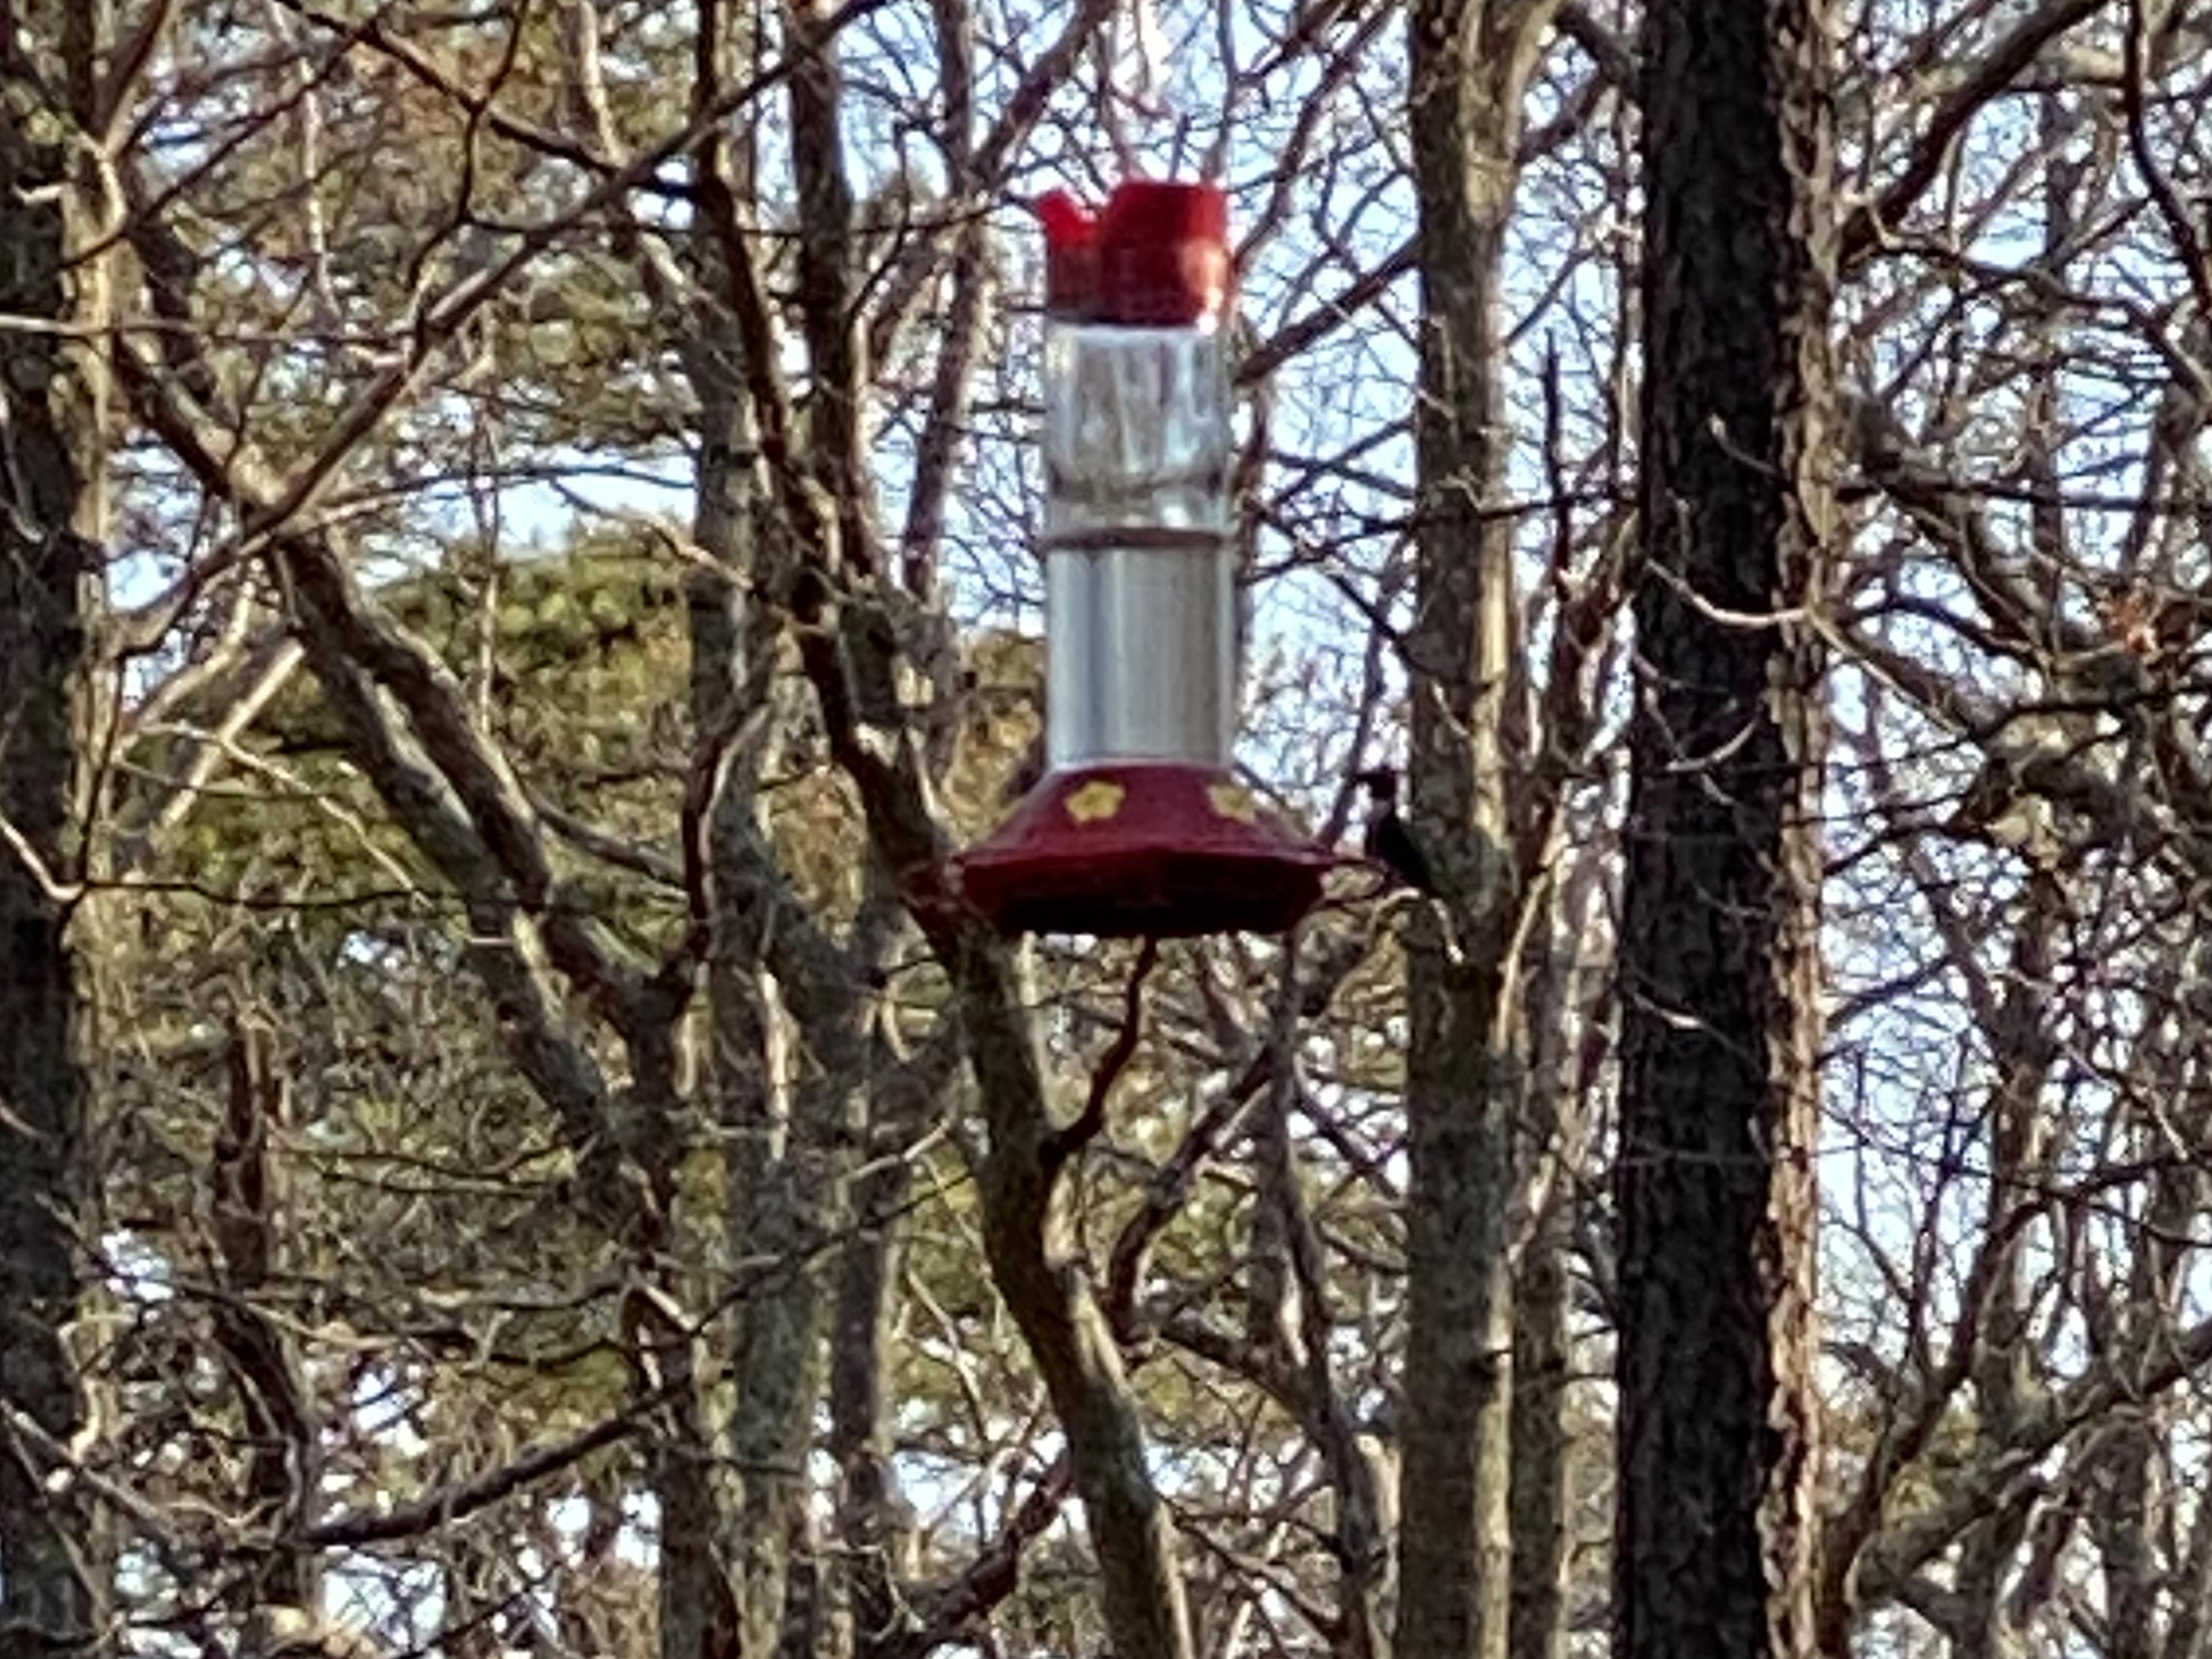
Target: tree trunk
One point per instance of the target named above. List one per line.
(870, 1525)
(52, 1588)
(1541, 1359)
(783, 1131)
(1567, 1046)
(2126, 1524)
(1719, 962)
(1469, 63)
(779, 1370)
(731, 1582)
(2023, 1037)
(1036, 1259)
(247, 1198)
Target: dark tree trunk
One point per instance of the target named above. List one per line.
(1720, 963)
(246, 1196)
(51, 1588)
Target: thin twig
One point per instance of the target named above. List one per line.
(1067, 1142)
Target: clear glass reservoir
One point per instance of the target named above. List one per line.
(1141, 578)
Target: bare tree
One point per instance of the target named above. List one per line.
(53, 421)
(1720, 947)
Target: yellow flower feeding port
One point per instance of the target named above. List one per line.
(1139, 827)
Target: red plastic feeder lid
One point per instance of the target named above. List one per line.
(1137, 850)
(1156, 256)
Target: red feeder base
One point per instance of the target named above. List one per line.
(1143, 849)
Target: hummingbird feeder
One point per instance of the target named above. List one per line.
(1139, 827)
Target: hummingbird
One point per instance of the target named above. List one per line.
(1390, 841)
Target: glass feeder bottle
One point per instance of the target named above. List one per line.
(1138, 529)
(1139, 826)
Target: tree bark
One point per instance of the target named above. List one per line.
(52, 1590)
(247, 1194)
(1568, 1046)
(1720, 955)
(1540, 1438)
(1469, 63)
(869, 1524)
(1038, 1267)
(783, 1105)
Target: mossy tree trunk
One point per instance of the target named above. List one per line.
(1469, 62)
